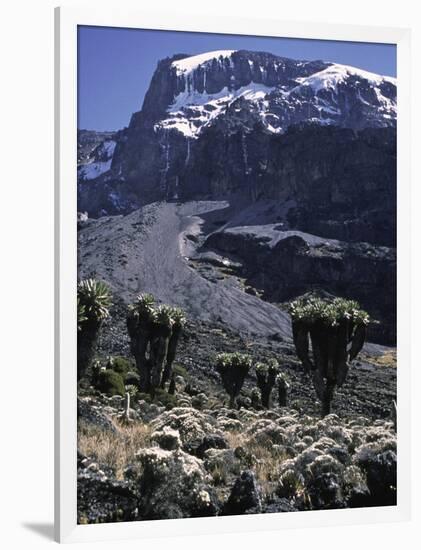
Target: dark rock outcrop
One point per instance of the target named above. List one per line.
(381, 472)
(244, 495)
(200, 446)
(88, 141)
(287, 264)
(325, 491)
(91, 414)
(101, 498)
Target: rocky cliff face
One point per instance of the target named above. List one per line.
(285, 264)
(87, 143)
(226, 110)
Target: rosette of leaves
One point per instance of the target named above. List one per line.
(93, 304)
(266, 377)
(140, 314)
(337, 330)
(233, 369)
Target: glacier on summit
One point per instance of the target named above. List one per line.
(189, 64)
(191, 110)
(331, 95)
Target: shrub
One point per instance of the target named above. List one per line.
(233, 369)
(255, 398)
(179, 370)
(122, 365)
(110, 382)
(167, 400)
(161, 397)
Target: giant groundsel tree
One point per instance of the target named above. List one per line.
(336, 330)
(154, 332)
(233, 369)
(93, 304)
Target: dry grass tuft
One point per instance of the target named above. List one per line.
(266, 459)
(115, 450)
(267, 467)
(387, 359)
(234, 439)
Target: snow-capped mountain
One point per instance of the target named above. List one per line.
(285, 92)
(257, 125)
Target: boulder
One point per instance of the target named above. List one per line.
(103, 500)
(92, 414)
(244, 496)
(200, 446)
(324, 491)
(380, 469)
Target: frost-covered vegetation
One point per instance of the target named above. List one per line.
(160, 439)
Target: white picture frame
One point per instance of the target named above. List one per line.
(66, 23)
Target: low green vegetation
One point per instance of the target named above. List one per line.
(110, 382)
(122, 365)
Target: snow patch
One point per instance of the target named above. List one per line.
(189, 64)
(192, 110)
(108, 148)
(93, 170)
(337, 74)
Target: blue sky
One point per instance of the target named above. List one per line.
(115, 65)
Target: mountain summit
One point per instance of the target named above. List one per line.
(252, 124)
(189, 93)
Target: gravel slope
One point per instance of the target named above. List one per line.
(147, 251)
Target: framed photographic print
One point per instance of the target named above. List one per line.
(232, 323)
